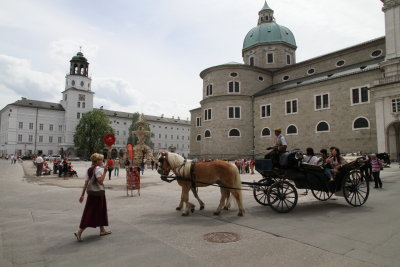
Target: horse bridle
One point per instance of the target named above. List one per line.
(161, 162)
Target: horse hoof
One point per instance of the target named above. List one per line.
(178, 208)
(217, 213)
(240, 214)
(201, 207)
(192, 209)
(185, 214)
(226, 208)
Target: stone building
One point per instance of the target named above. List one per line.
(348, 98)
(31, 126)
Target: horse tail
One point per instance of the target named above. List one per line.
(237, 183)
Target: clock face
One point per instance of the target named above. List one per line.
(81, 97)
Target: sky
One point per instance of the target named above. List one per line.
(146, 56)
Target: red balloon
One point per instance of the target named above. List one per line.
(109, 139)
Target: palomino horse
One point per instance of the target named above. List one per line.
(225, 174)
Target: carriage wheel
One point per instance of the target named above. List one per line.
(355, 188)
(282, 196)
(322, 195)
(260, 191)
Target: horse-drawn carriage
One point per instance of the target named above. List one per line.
(278, 188)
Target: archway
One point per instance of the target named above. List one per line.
(393, 140)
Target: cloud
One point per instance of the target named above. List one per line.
(17, 76)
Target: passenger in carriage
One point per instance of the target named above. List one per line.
(336, 161)
(278, 148)
(310, 158)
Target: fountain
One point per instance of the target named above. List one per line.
(141, 150)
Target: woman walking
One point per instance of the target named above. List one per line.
(95, 212)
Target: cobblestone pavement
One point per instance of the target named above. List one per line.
(39, 215)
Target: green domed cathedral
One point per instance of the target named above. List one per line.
(348, 98)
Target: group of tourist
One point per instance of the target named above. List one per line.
(245, 165)
(64, 168)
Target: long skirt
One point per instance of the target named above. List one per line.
(95, 212)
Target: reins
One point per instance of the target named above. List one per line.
(170, 179)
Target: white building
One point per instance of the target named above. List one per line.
(31, 126)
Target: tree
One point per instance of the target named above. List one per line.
(90, 131)
(132, 139)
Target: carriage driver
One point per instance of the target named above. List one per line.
(279, 147)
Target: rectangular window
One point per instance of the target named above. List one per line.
(233, 112)
(166, 136)
(251, 61)
(198, 121)
(234, 87)
(83, 105)
(60, 128)
(41, 126)
(209, 90)
(124, 133)
(78, 115)
(207, 114)
(322, 102)
(396, 105)
(159, 136)
(291, 106)
(172, 137)
(50, 139)
(30, 138)
(288, 59)
(79, 104)
(266, 111)
(20, 138)
(31, 126)
(40, 138)
(20, 125)
(51, 127)
(359, 95)
(59, 139)
(270, 58)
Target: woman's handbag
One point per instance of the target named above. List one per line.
(94, 188)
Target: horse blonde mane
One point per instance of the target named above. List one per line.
(178, 164)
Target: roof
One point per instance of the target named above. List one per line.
(266, 7)
(329, 75)
(149, 118)
(24, 102)
(79, 57)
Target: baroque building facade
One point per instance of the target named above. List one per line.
(31, 126)
(348, 98)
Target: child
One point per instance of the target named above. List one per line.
(376, 170)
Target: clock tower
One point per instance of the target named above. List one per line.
(77, 98)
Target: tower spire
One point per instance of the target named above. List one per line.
(266, 14)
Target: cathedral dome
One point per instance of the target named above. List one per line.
(269, 32)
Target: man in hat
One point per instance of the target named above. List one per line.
(278, 148)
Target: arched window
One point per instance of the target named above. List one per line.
(361, 123)
(198, 138)
(291, 129)
(234, 133)
(266, 132)
(207, 134)
(322, 126)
